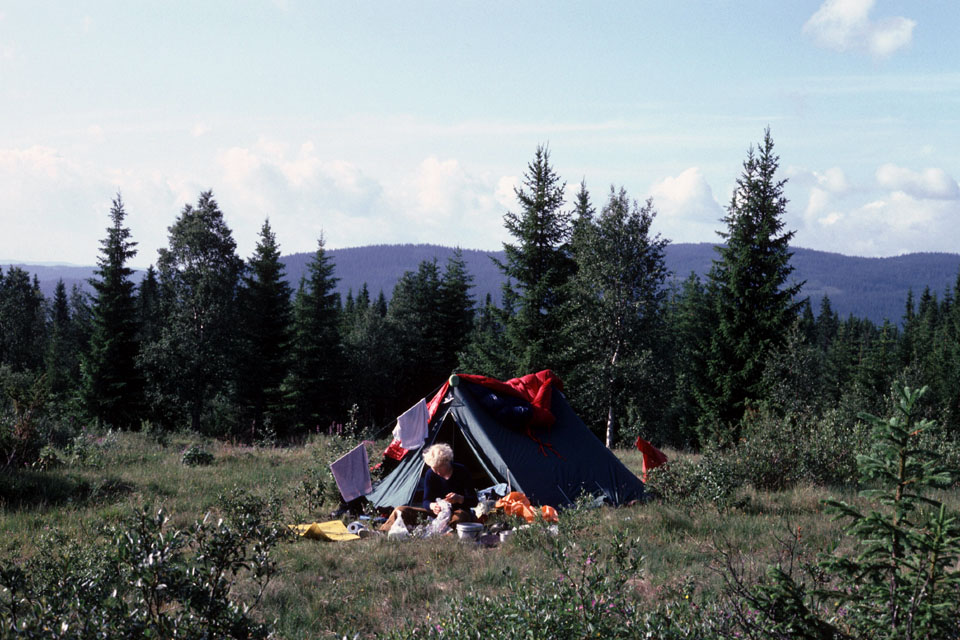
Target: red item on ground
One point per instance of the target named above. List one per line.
(652, 457)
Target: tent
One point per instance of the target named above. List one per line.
(522, 433)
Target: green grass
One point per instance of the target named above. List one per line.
(370, 586)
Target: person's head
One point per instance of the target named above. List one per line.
(438, 456)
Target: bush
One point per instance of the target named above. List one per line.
(86, 449)
(196, 456)
(713, 480)
(775, 453)
(145, 580)
(779, 452)
(22, 412)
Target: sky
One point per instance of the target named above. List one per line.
(413, 121)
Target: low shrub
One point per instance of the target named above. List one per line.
(776, 453)
(145, 579)
(713, 480)
(87, 449)
(196, 456)
(23, 400)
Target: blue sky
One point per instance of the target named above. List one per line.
(395, 122)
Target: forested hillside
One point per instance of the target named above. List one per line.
(871, 288)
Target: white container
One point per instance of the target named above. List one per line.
(469, 530)
(505, 534)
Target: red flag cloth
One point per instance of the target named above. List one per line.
(652, 457)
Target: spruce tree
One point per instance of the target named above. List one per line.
(456, 306)
(112, 388)
(899, 579)
(370, 346)
(754, 299)
(62, 353)
(317, 378)
(148, 307)
(537, 266)
(415, 319)
(690, 317)
(263, 361)
(22, 322)
(484, 353)
(81, 325)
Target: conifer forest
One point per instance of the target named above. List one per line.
(218, 343)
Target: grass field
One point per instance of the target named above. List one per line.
(375, 585)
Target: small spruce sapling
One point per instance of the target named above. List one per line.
(904, 582)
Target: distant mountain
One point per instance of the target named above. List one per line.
(48, 274)
(874, 288)
(380, 267)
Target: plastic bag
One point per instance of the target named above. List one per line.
(439, 525)
(398, 529)
(483, 508)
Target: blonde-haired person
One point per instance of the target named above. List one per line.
(444, 480)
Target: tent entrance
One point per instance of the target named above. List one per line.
(463, 453)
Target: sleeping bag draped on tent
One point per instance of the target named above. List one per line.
(521, 432)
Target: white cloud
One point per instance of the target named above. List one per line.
(833, 180)
(440, 185)
(199, 129)
(931, 183)
(505, 193)
(46, 207)
(817, 204)
(846, 25)
(449, 204)
(95, 132)
(301, 194)
(823, 190)
(902, 211)
(436, 201)
(56, 208)
(887, 224)
(687, 210)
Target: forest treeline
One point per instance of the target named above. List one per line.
(872, 288)
(222, 345)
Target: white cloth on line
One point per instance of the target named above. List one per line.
(411, 429)
(352, 474)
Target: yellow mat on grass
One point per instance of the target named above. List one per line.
(332, 531)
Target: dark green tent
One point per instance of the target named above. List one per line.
(553, 465)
